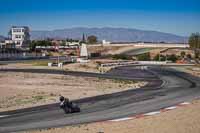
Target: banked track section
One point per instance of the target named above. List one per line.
(176, 88)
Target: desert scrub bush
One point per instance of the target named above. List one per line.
(121, 56)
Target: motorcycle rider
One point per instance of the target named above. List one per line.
(64, 101)
(68, 106)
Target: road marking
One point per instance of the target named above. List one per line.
(139, 116)
(170, 108)
(1, 116)
(152, 113)
(185, 103)
(122, 119)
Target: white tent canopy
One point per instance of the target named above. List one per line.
(84, 52)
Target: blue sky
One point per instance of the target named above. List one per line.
(180, 17)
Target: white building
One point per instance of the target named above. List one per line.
(2, 44)
(84, 52)
(20, 36)
(104, 42)
(7, 44)
(72, 43)
(162, 45)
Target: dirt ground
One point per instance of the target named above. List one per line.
(193, 70)
(178, 51)
(181, 120)
(91, 66)
(20, 90)
(109, 49)
(114, 50)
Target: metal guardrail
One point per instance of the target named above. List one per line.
(142, 63)
(118, 64)
(152, 62)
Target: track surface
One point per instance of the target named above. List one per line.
(167, 88)
(138, 51)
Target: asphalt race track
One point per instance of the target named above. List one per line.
(166, 87)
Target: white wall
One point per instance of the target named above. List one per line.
(156, 45)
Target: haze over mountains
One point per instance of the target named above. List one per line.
(2, 38)
(110, 34)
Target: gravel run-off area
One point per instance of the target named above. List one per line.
(21, 90)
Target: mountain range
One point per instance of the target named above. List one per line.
(2, 38)
(110, 34)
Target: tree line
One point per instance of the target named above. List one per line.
(194, 42)
(48, 42)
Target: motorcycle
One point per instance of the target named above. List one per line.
(69, 107)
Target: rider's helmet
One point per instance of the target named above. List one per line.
(62, 98)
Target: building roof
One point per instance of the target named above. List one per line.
(26, 27)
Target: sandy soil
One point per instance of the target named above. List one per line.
(91, 66)
(109, 49)
(194, 70)
(178, 51)
(112, 50)
(182, 120)
(19, 90)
